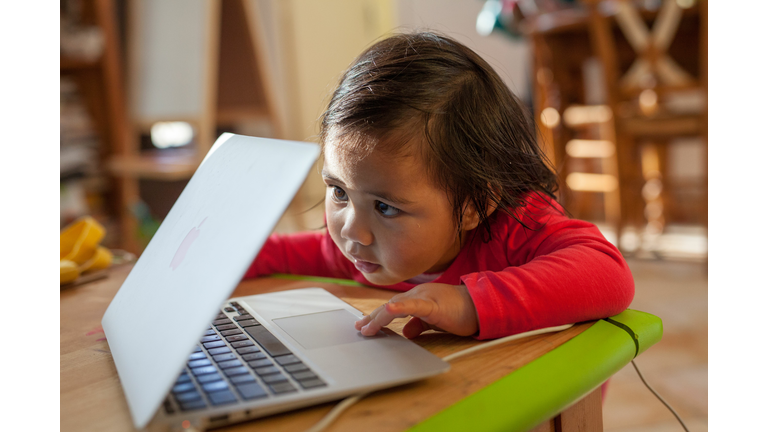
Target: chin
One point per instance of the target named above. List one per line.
(379, 278)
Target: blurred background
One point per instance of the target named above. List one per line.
(618, 90)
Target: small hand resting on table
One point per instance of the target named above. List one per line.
(433, 306)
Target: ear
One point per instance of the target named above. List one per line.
(471, 218)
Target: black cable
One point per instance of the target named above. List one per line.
(642, 378)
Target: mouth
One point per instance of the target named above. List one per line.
(365, 266)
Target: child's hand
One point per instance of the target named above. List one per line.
(433, 306)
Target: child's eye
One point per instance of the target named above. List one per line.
(386, 209)
(339, 194)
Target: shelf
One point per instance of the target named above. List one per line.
(68, 64)
(155, 166)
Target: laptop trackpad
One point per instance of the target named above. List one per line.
(323, 329)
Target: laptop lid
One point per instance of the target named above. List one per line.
(196, 259)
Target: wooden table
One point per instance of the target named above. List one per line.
(520, 385)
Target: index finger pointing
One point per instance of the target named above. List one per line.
(378, 319)
(417, 307)
(398, 309)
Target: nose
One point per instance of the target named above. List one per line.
(356, 228)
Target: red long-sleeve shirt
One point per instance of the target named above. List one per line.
(561, 271)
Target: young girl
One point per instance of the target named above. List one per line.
(436, 187)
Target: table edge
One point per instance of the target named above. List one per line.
(550, 384)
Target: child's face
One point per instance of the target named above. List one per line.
(386, 216)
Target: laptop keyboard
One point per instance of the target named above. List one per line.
(238, 360)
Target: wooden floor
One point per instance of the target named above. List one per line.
(676, 367)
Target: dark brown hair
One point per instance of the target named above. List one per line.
(477, 140)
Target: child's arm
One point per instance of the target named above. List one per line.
(569, 273)
(309, 253)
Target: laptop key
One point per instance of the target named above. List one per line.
(183, 387)
(203, 370)
(268, 341)
(222, 397)
(183, 378)
(239, 379)
(296, 367)
(254, 356)
(198, 363)
(235, 304)
(225, 357)
(192, 405)
(282, 387)
(197, 356)
(236, 371)
(215, 386)
(226, 327)
(248, 350)
(266, 370)
(260, 363)
(202, 379)
(248, 323)
(217, 351)
(197, 349)
(216, 344)
(209, 332)
(288, 359)
(299, 376)
(220, 316)
(235, 338)
(187, 396)
(311, 383)
(242, 317)
(241, 344)
(230, 364)
(229, 309)
(210, 338)
(231, 332)
(251, 390)
(219, 322)
(275, 378)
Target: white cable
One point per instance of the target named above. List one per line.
(504, 340)
(348, 402)
(335, 412)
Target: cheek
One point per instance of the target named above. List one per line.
(333, 219)
(400, 251)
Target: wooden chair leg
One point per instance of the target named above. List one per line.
(585, 416)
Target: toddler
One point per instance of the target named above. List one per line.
(436, 187)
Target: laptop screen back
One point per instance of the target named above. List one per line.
(197, 258)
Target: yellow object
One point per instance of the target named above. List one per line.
(79, 240)
(80, 251)
(101, 259)
(68, 271)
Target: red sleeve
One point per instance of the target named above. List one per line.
(562, 272)
(306, 253)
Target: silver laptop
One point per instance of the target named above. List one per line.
(189, 356)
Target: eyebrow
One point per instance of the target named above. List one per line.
(380, 194)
